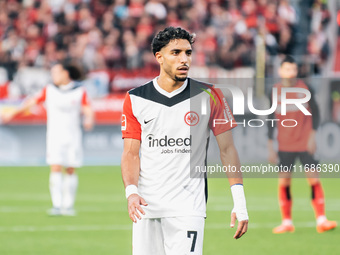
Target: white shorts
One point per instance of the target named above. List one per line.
(168, 236)
(67, 155)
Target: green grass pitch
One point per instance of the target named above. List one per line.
(102, 225)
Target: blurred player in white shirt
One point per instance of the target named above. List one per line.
(65, 101)
(164, 139)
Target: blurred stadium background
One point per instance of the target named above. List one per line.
(243, 39)
(111, 39)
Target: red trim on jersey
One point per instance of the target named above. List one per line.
(42, 96)
(214, 92)
(4, 90)
(85, 99)
(131, 128)
(221, 111)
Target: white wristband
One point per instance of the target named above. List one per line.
(240, 207)
(131, 189)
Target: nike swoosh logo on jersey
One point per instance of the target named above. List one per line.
(146, 122)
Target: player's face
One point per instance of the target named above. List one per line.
(175, 59)
(58, 74)
(288, 72)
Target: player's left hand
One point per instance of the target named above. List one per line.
(88, 124)
(134, 207)
(242, 226)
(311, 145)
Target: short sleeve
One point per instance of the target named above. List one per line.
(41, 97)
(131, 128)
(85, 101)
(221, 118)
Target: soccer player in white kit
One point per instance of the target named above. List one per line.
(65, 101)
(164, 139)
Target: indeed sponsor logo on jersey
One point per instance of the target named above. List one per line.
(168, 141)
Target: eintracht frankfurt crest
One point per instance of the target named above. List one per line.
(191, 118)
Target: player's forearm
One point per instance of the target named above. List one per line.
(130, 166)
(230, 159)
(24, 107)
(230, 156)
(270, 144)
(88, 114)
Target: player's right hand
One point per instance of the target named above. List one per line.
(134, 207)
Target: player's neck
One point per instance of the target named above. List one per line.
(65, 83)
(289, 82)
(168, 84)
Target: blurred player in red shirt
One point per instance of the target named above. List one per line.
(296, 143)
(65, 101)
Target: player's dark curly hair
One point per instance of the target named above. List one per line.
(170, 33)
(74, 70)
(288, 59)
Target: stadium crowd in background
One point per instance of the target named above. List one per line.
(107, 34)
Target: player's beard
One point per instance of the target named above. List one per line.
(174, 76)
(183, 78)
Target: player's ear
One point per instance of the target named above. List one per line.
(159, 57)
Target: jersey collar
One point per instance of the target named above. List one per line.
(67, 86)
(169, 94)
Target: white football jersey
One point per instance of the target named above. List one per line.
(174, 135)
(63, 106)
